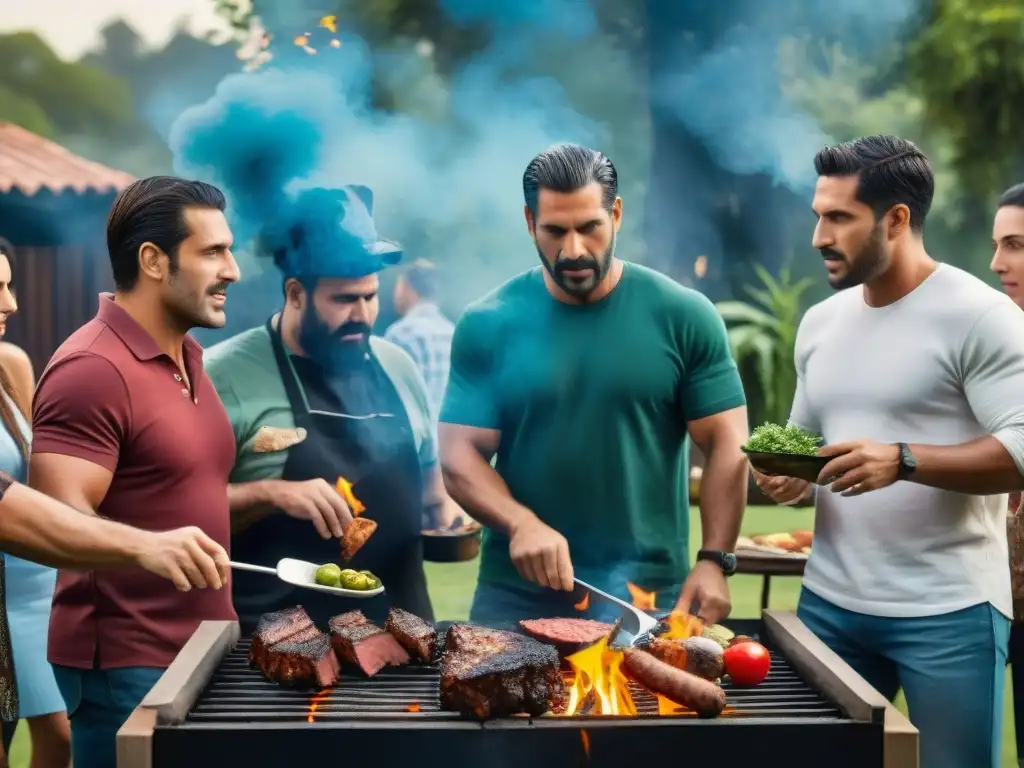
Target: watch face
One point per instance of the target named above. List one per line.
(729, 562)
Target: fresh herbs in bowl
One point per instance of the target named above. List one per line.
(790, 439)
(786, 451)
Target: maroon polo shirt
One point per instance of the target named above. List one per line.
(110, 396)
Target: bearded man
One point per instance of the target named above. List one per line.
(913, 374)
(314, 397)
(583, 377)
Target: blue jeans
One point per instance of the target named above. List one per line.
(952, 669)
(98, 703)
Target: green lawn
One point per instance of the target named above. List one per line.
(451, 588)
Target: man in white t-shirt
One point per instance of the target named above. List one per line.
(913, 374)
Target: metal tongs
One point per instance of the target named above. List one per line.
(633, 628)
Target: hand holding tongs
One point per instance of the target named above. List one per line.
(634, 626)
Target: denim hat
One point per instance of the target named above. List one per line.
(329, 233)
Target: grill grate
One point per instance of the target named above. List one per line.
(238, 694)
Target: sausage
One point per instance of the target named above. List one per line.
(355, 535)
(703, 697)
(696, 655)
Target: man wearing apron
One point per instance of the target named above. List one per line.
(314, 397)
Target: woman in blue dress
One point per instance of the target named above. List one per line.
(29, 586)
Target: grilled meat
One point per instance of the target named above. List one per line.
(364, 645)
(355, 535)
(414, 634)
(274, 627)
(304, 662)
(493, 673)
(567, 635)
(699, 656)
(288, 648)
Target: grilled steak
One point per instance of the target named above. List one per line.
(355, 535)
(306, 662)
(273, 628)
(493, 673)
(568, 635)
(288, 648)
(415, 635)
(364, 645)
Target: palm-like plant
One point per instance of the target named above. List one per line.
(765, 331)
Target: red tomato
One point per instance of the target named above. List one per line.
(747, 663)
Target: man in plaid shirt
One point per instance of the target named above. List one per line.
(423, 331)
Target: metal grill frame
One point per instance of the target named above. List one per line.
(870, 732)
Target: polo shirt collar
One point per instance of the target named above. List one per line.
(134, 336)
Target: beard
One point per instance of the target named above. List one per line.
(868, 263)
(325, 345)
(579, 286)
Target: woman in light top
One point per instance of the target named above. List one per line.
(28, 586)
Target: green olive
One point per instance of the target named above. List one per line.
(351, 579)
(328, 575)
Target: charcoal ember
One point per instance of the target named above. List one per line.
(494, 673)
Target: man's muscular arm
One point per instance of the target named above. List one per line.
(723, 486)
(991, 372)
(466, 454)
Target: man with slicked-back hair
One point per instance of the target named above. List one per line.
(583, 378)
(913, 375)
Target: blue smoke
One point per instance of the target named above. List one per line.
(730, 96)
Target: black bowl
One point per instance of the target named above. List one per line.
(788, 464)
(457, 546)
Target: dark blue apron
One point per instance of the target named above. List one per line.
(377, 454)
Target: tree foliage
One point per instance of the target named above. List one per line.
(967, 66)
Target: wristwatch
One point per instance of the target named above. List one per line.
(907, 462)
(724, 560)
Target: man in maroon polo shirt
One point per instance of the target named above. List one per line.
(127, 426)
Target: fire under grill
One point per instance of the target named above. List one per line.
(812, 710)
(238, 694)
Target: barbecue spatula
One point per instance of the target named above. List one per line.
(635, 626)
(303, 574)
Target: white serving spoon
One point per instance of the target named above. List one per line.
(303, 574)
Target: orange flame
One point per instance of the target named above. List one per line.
(682, 626)
(586, 743)
(583, 604)
(640, 599)
(315, 702)
(599, 686)
(414, 707)
(344, 487)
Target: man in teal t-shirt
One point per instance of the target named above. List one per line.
(583, 377)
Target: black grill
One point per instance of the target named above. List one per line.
(394, 719)
(238, 693)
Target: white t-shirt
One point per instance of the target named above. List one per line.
(943, 365)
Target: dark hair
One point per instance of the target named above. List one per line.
(152, 211)
(890, 171)
(6, 412)
(422, 278)
(566, 168)
(1013, 196)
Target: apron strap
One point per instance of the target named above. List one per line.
(296, 397)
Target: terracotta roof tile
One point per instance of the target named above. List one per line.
(30, 163)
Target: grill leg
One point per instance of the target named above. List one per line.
(766, 588)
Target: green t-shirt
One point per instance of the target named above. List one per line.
(245, 373)
(592, 403)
